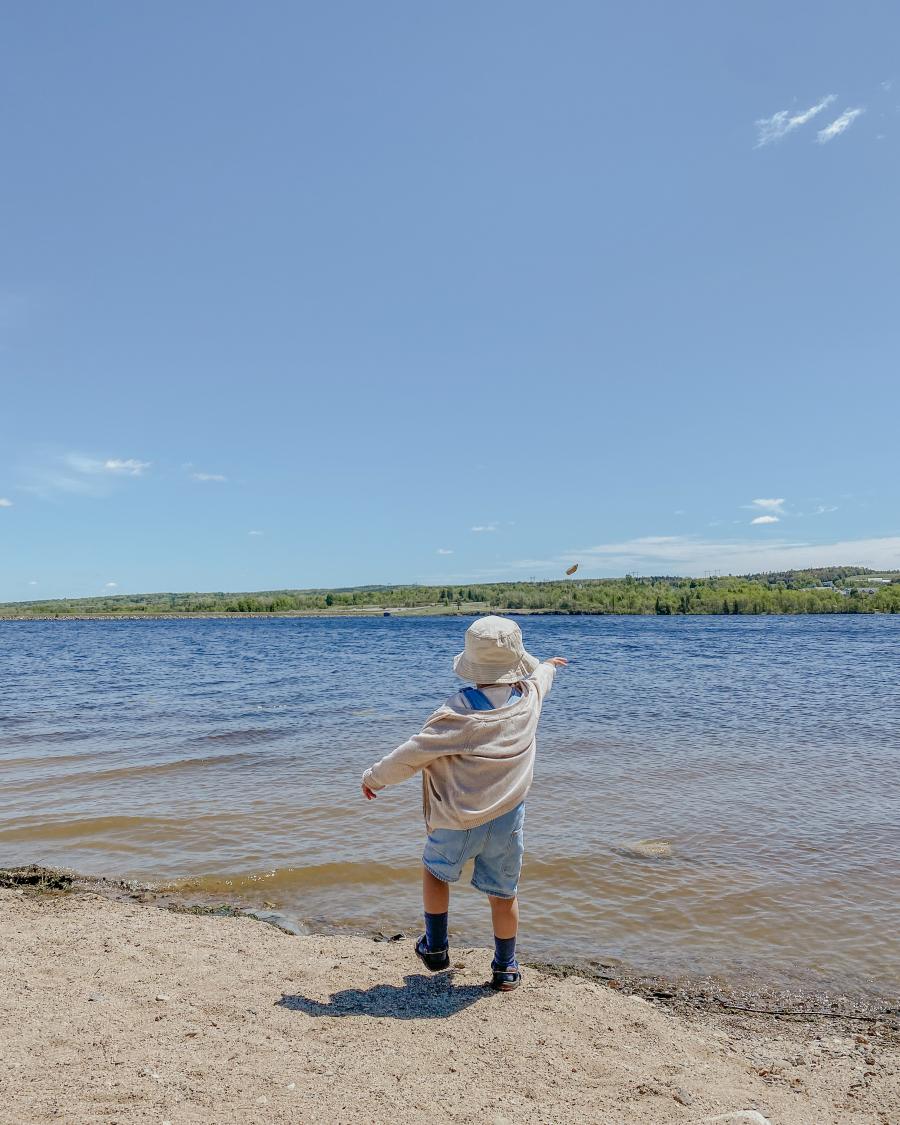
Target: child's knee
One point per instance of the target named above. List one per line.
(502, 903)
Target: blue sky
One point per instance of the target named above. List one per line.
(297, 295)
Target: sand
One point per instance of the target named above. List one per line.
(114, 1011)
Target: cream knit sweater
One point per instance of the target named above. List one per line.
(476, 765)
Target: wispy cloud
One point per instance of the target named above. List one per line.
(693, 555)
(776, 506)
(4, 503)
(769, 129)
(76, 474)
(217, 477)
(255, 533)
(839, 125)
(765, 519)
(131, 466)
(119, 466)
(823, 508)
(485, 527)
(110, 585)
(444, 551)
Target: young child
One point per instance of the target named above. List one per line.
(476, 754)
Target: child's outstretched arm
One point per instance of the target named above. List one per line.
(439, 736)
(545, 673)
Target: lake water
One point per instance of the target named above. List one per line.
(224, 756)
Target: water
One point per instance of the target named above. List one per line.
(759, 754)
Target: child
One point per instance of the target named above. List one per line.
(476, 754)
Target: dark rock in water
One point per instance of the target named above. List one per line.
(646, 849)
(44, 878)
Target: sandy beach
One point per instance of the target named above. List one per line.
(119, 1011)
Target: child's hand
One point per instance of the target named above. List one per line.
(368, 793)
(559, 661)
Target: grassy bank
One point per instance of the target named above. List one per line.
(826, 590)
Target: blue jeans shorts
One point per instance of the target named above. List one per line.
(497, 848)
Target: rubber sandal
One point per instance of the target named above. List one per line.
(433, 960)
(505, 980)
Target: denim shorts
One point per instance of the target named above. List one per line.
(496, 847)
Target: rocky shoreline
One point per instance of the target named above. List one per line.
(116, 1011)
(683, 993)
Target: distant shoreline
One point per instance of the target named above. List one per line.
(412, 611)
(816, 591)
(309, 613)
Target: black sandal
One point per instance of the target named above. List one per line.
(506, 980)
(433, 960)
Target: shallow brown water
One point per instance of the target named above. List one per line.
(712, 794)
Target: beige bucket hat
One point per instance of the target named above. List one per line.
(494, 653)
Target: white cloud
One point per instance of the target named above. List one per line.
(32, 582)
(887, 85)
(110, 585)
(485, 527)
(690, 555)
(444, 551)
(132, 467)
(769, 129)
(4, 503)
(76, 474)
(123, 466)
(765, 519)
(770, 506)
(838, 126)
(210, 477)
(254, 533)
(823, 508)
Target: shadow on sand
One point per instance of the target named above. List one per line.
(420, 997)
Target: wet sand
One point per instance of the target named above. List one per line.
(115, 1010)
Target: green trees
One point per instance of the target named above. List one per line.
(834, 590)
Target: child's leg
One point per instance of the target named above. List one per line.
(435, 893)
(505, 916)
(436, 900)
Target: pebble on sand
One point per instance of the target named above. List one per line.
(740, 1117)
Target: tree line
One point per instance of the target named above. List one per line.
(823, 590)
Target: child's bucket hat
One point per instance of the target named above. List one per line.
(494, 653)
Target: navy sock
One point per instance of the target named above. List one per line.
(504, 953)
(436, 931)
